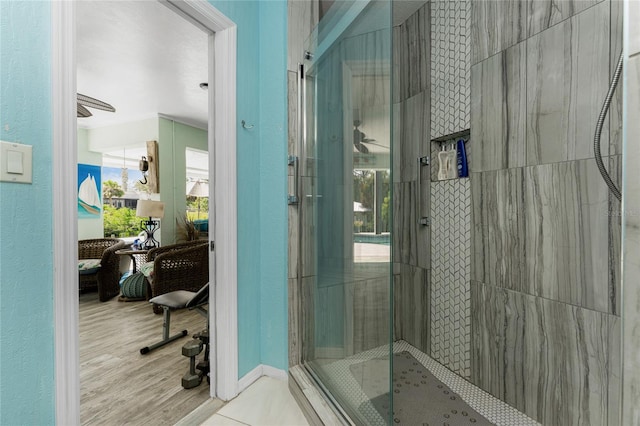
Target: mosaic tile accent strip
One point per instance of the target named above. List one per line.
(450, 66)
(451, 274)
(347, 387)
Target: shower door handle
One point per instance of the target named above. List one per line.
(294, 161)
(422, 220)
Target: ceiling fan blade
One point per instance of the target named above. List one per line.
(83, 112)
(94, 103)
(376, 144)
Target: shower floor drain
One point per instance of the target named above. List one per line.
(419, 398)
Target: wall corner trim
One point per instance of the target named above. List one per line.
(65, 215)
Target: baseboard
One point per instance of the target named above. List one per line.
(246, 380)
(275, 373)
(261, 370)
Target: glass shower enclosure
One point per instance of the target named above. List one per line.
(345, 207)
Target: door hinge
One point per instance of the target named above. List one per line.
(212, 245)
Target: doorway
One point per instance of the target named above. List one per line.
(221, 127)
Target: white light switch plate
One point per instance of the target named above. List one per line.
(15, 162)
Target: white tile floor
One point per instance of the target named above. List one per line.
(266, 402)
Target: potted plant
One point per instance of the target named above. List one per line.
(186, 229)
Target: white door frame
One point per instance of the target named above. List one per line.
(222, 153)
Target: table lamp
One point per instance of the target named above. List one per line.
(150, 209)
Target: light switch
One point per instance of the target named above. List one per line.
(15, 162)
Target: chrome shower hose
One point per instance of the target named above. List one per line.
(596, 140)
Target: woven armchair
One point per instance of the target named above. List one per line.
(107, 278)
(183, 266)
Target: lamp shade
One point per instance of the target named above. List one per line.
(150, 208)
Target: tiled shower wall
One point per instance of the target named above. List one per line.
(545, 291)
(432, 263)
(411, 241)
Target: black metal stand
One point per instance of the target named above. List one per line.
(150, 227)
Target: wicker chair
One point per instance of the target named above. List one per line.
(107, 277)
(183, 266)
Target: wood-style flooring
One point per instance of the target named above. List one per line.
(120, 386)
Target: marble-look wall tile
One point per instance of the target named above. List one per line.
(631, 242)
(414, 137)
(498, 110)
(371, 313)
(555, 362)
(543, 14)
(567, 242)
(411, 50)
(412, 306)
(307, 318)
(422, 232)
(302, 18)
(294, 317)
(396, 143)
(499, 254)
(308, 235)
(450, 66)
(496, 25)
(330, 315)
(411, 241)
(614, 164)
(404, 216)
(615, 111)
(399, 61)
(292, 122)
(544, 231)
(567, 80)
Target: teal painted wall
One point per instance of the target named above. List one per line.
(261, 157)
(27, 392)
(273, 183)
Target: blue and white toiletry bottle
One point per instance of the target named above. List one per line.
(463, 168)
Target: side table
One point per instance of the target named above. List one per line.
(138, 257)
(136, 289)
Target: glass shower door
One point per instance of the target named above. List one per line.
(345, 208)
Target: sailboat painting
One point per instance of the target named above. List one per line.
(89, 192)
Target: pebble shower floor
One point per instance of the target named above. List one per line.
(345, 386)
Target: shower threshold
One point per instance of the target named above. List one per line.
(339, 376)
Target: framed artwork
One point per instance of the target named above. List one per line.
(89, 192)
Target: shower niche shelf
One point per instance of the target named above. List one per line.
(437, 145)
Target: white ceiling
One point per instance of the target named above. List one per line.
(143, 59)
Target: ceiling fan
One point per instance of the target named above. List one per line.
(360, 140)
(86, 101)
